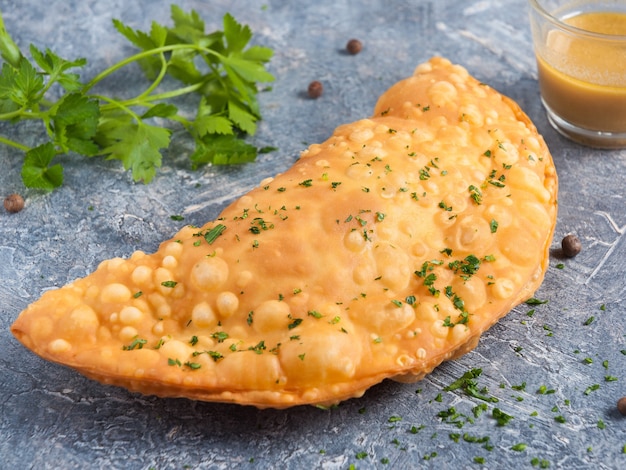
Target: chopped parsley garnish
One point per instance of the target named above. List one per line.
(445, 206)
(475, 194)
(258, 348)
(479, 409)
(541, 463)
(493, 225)
(591, 388)
(543, 390)
(216, 356)
(137, 343)
(501, 417)
(220, 336)
(467, 382)
(294, 323)
(468, 266)
(211, 235)
(416, 429)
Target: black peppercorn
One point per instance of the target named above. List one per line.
(315, 89)
(621, 405)
(14, 203)
(354, 46)
(571, 246)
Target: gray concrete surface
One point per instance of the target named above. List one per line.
(51, 417)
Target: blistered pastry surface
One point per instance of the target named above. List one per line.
(383, 251)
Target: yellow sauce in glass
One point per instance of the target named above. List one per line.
(582, 79)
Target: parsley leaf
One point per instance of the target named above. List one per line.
(37, 171)
(24, 84)
(56, 67)
(75, 123)
(222, 150)
(137, 145)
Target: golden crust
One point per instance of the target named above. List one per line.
(382, 252)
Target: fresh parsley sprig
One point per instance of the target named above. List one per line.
(220, 68)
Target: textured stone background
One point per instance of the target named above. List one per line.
(51, 417)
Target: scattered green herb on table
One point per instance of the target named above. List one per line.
(220, 68)
(468, 383)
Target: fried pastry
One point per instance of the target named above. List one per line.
(382, 252)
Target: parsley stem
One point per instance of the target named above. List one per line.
(14, 144)
(113, 103)
(13, 114)
(144, 100)
(23, 113)
(8, 49)
(157, 80)
(142, 55)
(125, 106)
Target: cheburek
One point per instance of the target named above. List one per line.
(382, 252)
